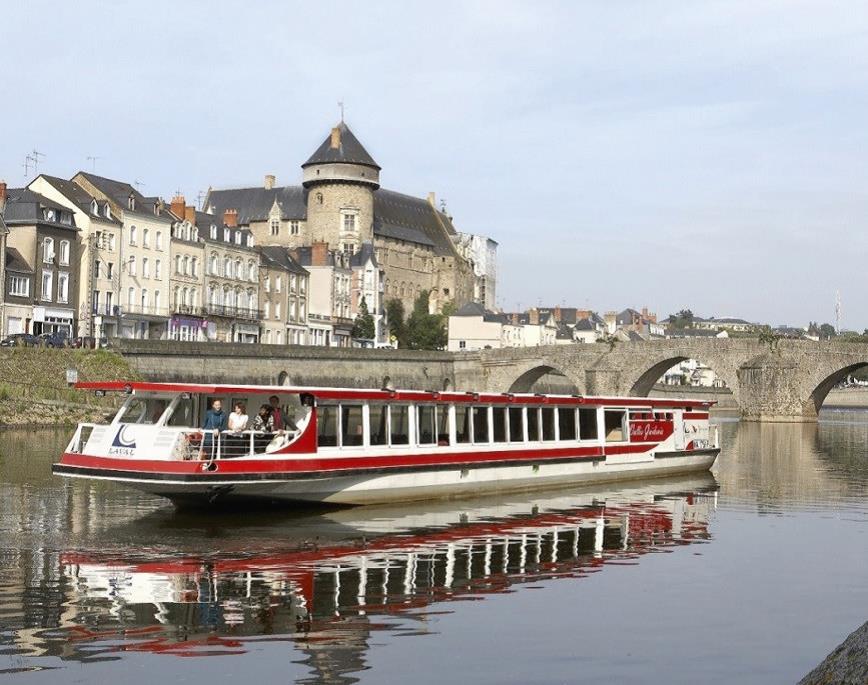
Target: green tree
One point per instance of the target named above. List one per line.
(827, 331)
(426, 331)
(364, 327)
(395, 319)
(682, 320)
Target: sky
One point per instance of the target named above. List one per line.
(706, 155)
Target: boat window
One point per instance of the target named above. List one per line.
(352, 433)
(143, 410)
(614, 425)
(516, 424)
(533, 423)
(480, 425)
(588, 424)
(548, 423)
(567, 423)
(443, 426)
(327, 425)
(498, 424)
(426, 424)
(463, 425)
(182, 414)
(378, 415)
(400, 414)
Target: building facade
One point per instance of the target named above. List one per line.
(41, 264)
(481, 252)
(283, 285)
(142, 251)
(186, 272)
(231, 279)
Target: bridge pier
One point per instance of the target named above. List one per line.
(771, 391)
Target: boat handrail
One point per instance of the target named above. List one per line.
(192, 444)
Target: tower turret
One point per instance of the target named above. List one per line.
(341, 157)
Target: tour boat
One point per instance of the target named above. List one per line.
(355, 446)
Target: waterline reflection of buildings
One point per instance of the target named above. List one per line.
(328, 600)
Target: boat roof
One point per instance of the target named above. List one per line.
(386, 394)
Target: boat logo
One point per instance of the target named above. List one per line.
(648, 431)
(123, 443)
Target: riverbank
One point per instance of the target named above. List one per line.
(34, 391)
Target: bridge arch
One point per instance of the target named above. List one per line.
(526, 381)
(822, 383)
(646, 380)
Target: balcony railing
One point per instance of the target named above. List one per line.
(246, 313)
(143, 309)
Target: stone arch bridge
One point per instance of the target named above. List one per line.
(786, 380)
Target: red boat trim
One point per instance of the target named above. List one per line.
(393, 395)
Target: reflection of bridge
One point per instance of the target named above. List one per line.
(784, 381)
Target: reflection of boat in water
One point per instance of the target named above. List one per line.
(393, 561)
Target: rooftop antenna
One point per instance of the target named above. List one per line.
(36, 155)
(92, 159)
(28, 160)
(137, 183)
(200, 198)
(838, 312)
(341, 106)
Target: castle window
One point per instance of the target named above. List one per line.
(319, 197)
(275, 226)
(349, 223)
(293, 227)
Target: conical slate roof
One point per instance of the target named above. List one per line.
(347, 151)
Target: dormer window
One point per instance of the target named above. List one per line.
(131, 202)
(249, 240)
(237, 237)
(108, 211)
(94, 208)
(213, 232)
(226, 236)
(49, 215)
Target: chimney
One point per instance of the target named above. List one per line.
(533, 316)
(558, 313)
(319, 253)
(270, 180)
(230, 218)
(432, 199)
(2, 195)
(293, 252)
(335, 141)
(190, 214)
(645, 313)
(177, 206)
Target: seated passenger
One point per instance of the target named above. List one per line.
(263, 425)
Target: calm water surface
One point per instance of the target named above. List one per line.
(751, 575)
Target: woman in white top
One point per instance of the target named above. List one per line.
(238, 418)
(236, 444)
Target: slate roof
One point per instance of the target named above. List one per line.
(15, 262)
(204, 221)
(120, 191)
(23, 206)
(350, 151)
(412, 219)
(254, 204)
(584, 325)
(365, 252)
(396, 215)
(77, 195)
(304, 256)
(476, 309)
(274, 255)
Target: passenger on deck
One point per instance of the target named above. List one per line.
(276, 413)
(263, 422)
(238, 418)
(215, 421)
(263, 425)
(236, 442)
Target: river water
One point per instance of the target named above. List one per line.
(751, 574)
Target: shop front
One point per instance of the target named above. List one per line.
(188, 328)
(246, 333)
(53, 320)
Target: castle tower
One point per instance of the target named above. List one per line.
(341, 178)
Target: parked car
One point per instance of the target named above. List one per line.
(56, 339)
(19, 340)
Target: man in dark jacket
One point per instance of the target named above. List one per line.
(215, 421)
(276, 413)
